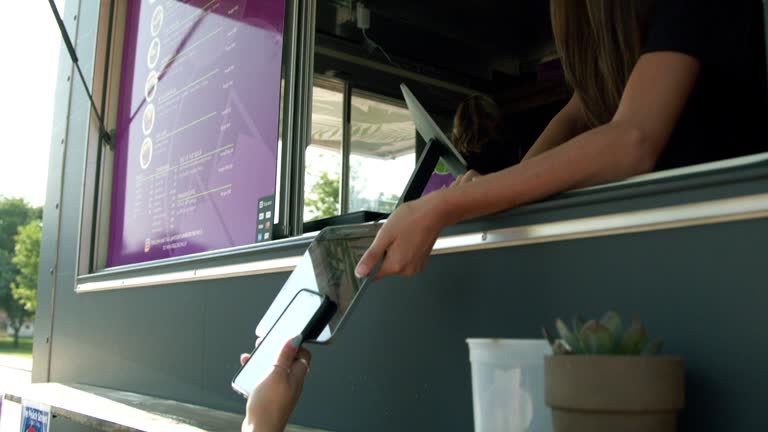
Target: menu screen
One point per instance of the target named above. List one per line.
(197, 129)
(440, 178)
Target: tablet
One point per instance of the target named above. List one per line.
(429, 130)
(328, 268)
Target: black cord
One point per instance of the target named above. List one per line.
(104, 135)
(374, 46)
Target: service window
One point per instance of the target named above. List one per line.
(380, 155)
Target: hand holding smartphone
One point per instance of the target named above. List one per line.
(327, 268)
(306, 315)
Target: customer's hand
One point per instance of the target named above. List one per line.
(467, 177)
(271, 402)
(406, 239)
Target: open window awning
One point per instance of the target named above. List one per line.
(378, 129)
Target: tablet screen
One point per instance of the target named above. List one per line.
(327, 267)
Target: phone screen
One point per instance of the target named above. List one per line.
(328, 268)
(297, 319)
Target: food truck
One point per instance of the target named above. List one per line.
(209, 142)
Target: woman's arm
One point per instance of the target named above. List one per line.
(568, 123)
(653, 99)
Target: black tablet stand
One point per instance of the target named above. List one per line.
(426, 166)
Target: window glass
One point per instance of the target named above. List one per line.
(322, 177)
(196, 140)
(383, 153)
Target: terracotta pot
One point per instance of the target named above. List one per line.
(614, 393)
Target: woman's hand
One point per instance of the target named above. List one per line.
(271, 402)
(406, 239)
(465, 178)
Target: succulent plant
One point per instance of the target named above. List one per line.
(603, 337)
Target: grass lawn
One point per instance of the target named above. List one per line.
(24, 349)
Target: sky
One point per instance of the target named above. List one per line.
(29, 48)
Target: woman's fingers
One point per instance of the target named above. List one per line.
(300, 367)
(403, 259)
(465, 178)
(288, 354)
(244, 358)
(470, 176)
(389, 266)
(373, 255)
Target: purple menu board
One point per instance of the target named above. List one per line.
(197, 127)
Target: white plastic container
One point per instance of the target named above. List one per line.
(508, 385)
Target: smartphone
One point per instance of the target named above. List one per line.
(328, 268)
(306, 315)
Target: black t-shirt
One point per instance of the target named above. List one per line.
(726, 114)
(495, 156)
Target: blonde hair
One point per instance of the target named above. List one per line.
(599, 42)
(476, 122)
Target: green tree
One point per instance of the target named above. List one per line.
(386, 204)
(27, 260)
(323, 197)
(14, 310)
(14, 213)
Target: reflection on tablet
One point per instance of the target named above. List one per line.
(327, 267)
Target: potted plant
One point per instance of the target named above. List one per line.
(604, 378)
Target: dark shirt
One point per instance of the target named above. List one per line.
(726, 114)
(495, 156)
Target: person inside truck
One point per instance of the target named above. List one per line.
(478, 134)
(656, 85)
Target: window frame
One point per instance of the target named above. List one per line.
(96, 192)
(334, 85)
